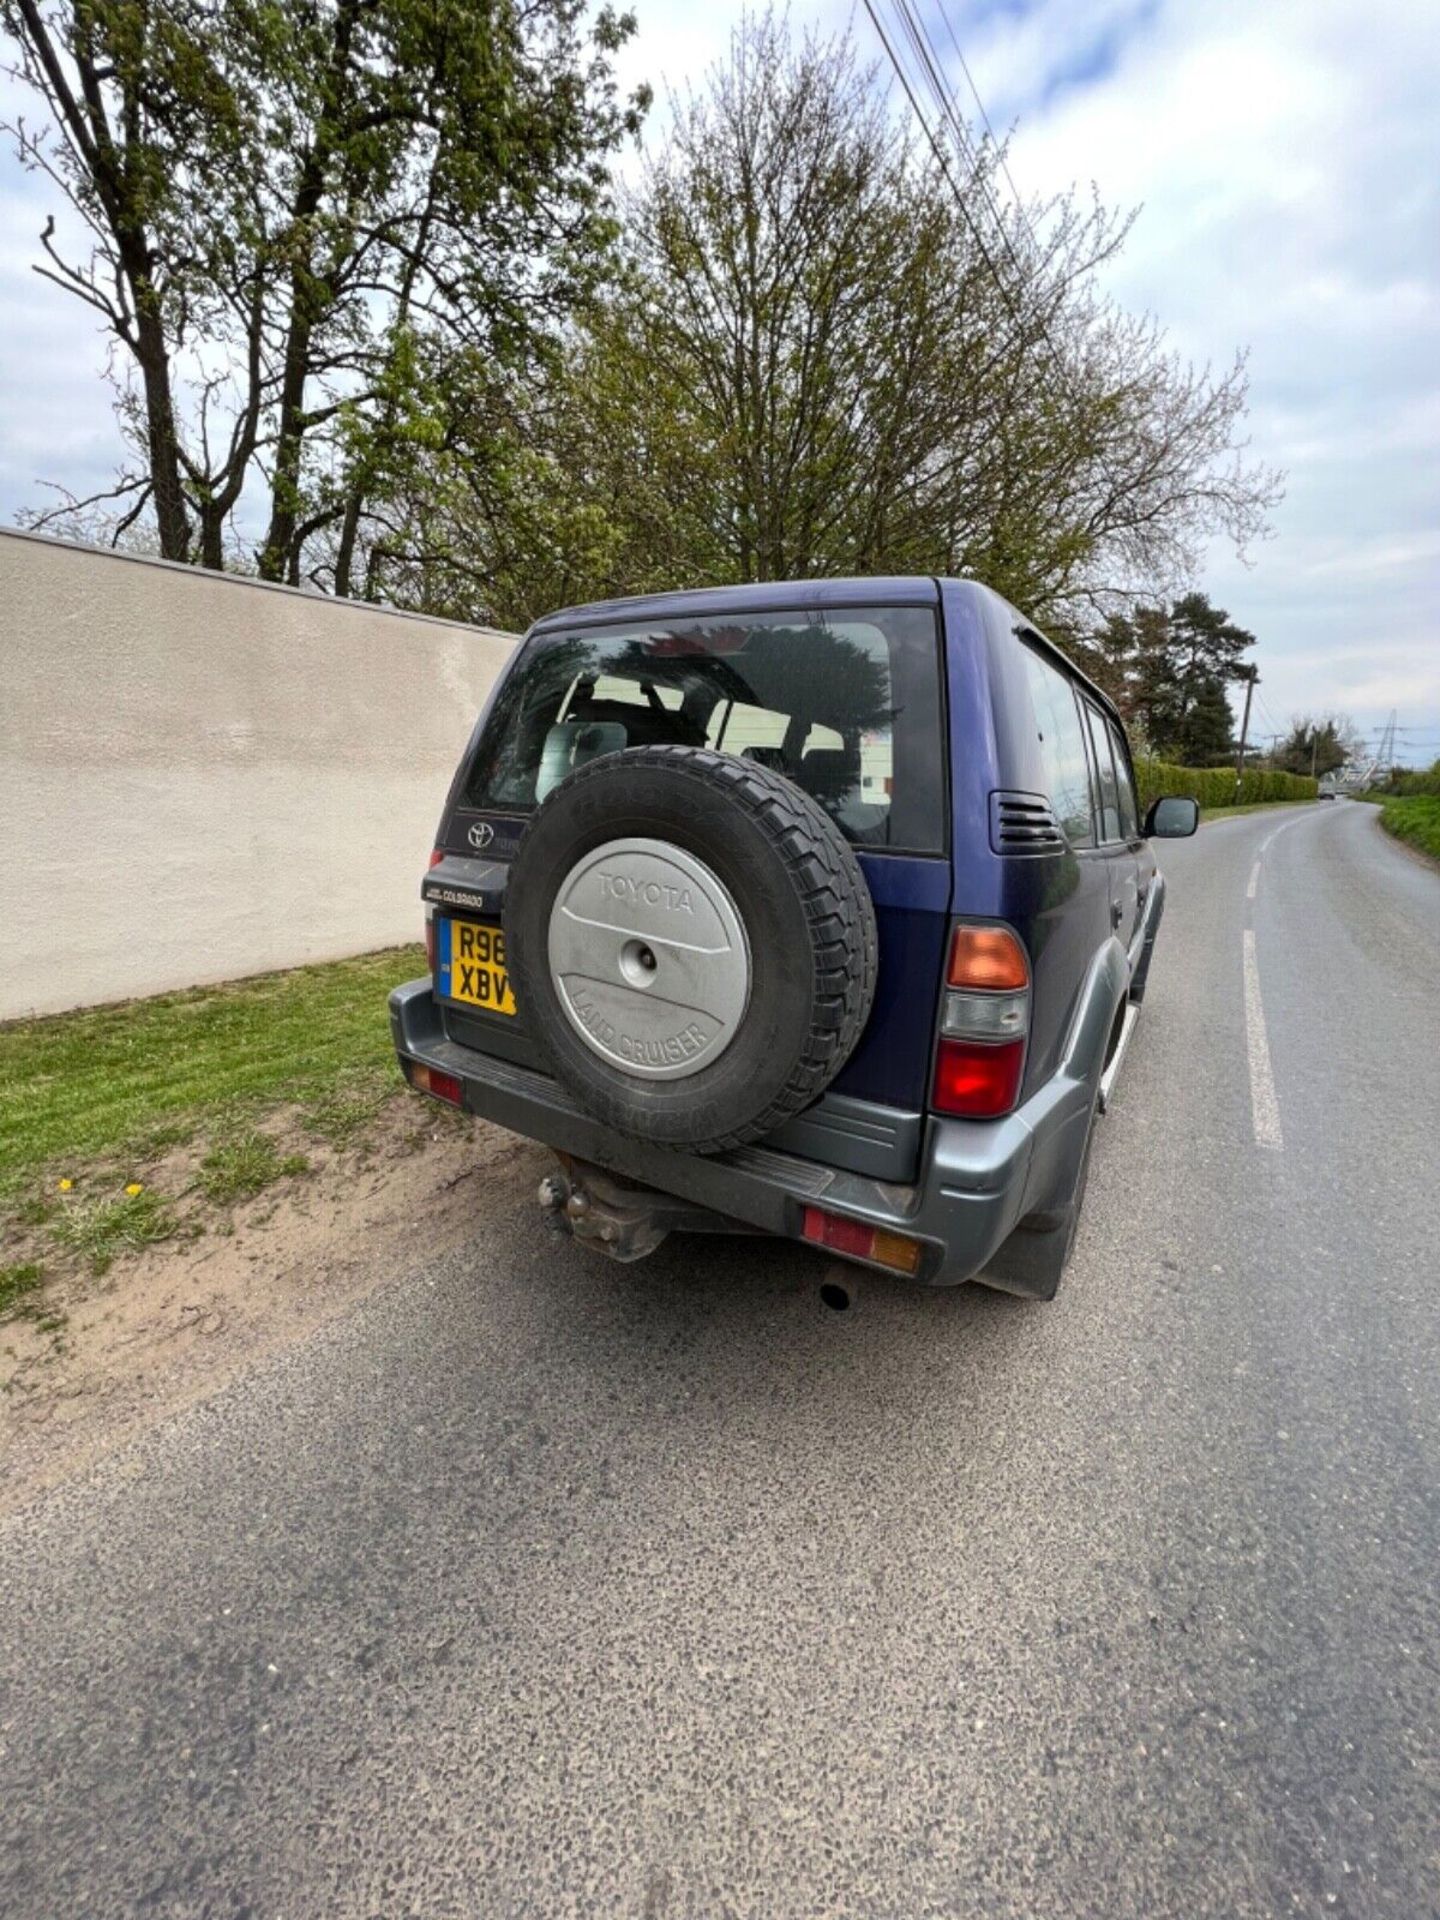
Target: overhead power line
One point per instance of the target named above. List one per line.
(942, 10)
(952, 126)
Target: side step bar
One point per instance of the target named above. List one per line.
(1112, 1070)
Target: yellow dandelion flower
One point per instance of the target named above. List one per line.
(134, 1188)
(66, 1185)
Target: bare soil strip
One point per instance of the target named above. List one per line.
(172, 1323)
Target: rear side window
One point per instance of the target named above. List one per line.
(1129, 814)
(1109, 793)
(846, 703)
(1062, 750)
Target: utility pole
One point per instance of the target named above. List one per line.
(1251, 677)
(1314, 749)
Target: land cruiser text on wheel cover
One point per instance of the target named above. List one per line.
(692, 942)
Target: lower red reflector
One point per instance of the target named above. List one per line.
(975, 1081)
(861, 1242)
(444, 1086)
(834, 1230)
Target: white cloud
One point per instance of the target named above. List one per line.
(1288, 159)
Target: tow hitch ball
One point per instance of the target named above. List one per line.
(570, 1210)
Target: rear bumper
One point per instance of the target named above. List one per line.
(975, 1176)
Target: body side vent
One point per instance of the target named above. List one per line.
(1024, 823)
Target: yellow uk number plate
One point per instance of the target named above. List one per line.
(470, 962)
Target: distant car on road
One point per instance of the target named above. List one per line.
(823, 909)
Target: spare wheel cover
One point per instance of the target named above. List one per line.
(650, 958)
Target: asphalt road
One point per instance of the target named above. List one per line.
(541, 1587)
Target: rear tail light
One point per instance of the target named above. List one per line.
(985, 1016)
(860, 1241)
(978, 1080)
(444, 1086)
(984, 1023)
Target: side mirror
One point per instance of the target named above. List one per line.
(1172, 817)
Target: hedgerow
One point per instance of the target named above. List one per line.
(1215, 786)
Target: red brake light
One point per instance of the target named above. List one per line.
(437, 854)
(976, 1080)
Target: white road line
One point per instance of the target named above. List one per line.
(1254, 881)
(1264, 1107)
(1284, 827)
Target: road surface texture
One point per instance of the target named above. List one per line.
(537, 1586)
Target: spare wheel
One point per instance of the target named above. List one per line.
(692, 944)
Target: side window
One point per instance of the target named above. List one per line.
(1105, 770)
(1062, 750)
(737, 728)
(1129, 812)
(609, 686)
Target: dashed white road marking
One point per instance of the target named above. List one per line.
(1264, 1107)
(1273, 834)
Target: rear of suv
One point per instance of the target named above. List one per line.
(822, 910)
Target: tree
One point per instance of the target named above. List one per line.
(1205, 650)
(288, 200)
(1168, 670)
(1318, 746)
(818, 361)
(374, 244)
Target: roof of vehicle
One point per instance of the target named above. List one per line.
(753, 597)
(866, 590)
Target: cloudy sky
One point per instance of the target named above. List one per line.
(1287, 160)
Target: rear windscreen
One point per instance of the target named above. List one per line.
(844, 703)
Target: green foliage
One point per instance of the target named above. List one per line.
(306, 197)
(1168, 670)
(1415, 818)
(811, 367)
(1317, 746)
(242, 1165)
(468, 388)
(103, 1226)
(344, 1112)
(1413, 783)
(1215, 786)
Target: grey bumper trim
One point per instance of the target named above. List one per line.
(975, 1175)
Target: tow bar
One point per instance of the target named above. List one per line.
(617, 1217)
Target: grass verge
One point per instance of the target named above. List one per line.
(121, 1127)
(139, 1078)
(1413, 818)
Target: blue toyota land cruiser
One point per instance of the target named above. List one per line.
(820, 909)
